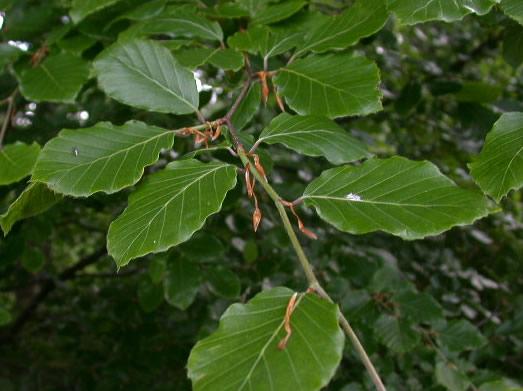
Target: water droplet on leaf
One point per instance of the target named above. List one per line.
(353, 197)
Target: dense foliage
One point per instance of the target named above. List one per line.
(163, 162)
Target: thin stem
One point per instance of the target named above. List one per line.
(241, 97)
(302, 257)
(8, 114)
(309, 271)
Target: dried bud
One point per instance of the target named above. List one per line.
(259, 166)
(217, 133)
(256, 218)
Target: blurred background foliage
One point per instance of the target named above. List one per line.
(97, 328)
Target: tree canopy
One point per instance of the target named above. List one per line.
(261, 195)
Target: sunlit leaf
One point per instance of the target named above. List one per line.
(499, 167)
(419, 11)
(169, 207)
(243, 353)
(331, 85)
(59, 78)
(103, 158)
(17, 161)
(363, 18)
(514, 9)
(314, 136)
(399, 196)
(144, 74)
(83, 8)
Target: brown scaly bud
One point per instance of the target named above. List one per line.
(265, 86)
(259, 167)
(217, 133)
(287, 321)
(256, 218)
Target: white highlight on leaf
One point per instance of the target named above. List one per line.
(353, 197)
(24, 46)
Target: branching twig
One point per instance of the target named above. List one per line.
(304, 261)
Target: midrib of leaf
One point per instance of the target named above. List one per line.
(506, 171)
(261, 354)
(137, 70)
(13, 163)
(44, 68)
(280, 43)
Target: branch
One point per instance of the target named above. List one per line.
(48, 286)
(309, 271)
(8, 114)
(304, 261)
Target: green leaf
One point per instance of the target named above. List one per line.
(277, 12)
(248, 107)
(363, 19)
(405, 198)
(169, 207)
(5, 317)
(500, 385)
(419, 307)
(243, 353)
(333, 85)
(476, 91)
(224, 282)
(150, 296)
(499, 167)
(314, 136)
(512, 44)
(157, 269)
(83, 8)
(396, 334)
(77, 44)
(103, 158)
(227, 59)
(59, 78)
(17, 161)
(181, 283)
(449, 376)
(144, 74)
(35, 199)
(461, 335)
(180, 23)
(514, 9)
(264, 41)
(33, 259)
(419, 11)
